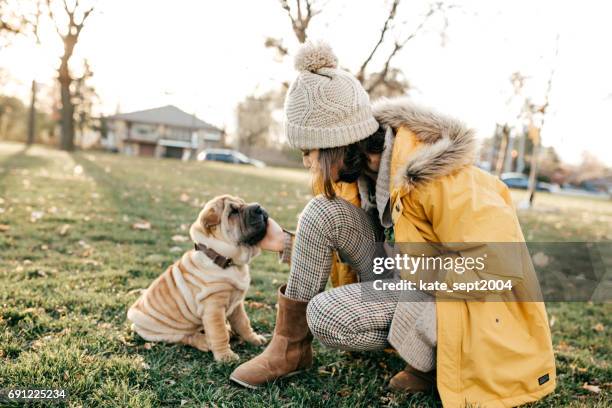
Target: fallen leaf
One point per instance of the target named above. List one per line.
(36, 215)
(540, 259)
(4, 227)
(142, 225)
(599, 327)
(179, 238)
(64, 229)
(257, 305)
(592, 388)
(563, 346)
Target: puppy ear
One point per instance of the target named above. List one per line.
(210, 218)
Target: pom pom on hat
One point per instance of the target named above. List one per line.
(313, 56)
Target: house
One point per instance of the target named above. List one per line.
(160, 132)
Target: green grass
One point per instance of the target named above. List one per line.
(71, 264)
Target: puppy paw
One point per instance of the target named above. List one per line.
(257, 340)
(226, 356)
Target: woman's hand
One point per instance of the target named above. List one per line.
(275, 237)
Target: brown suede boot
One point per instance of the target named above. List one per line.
(411, 380)
(289, 350)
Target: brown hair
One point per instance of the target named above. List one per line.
(350, 161)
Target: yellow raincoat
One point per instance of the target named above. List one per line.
(489, 354)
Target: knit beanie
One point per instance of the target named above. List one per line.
(325, 106)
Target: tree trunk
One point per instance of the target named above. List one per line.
(520, 162)
(508, 159)
(533, 170)
(67, 111)
(67, 121)
(32, 116)
(503, 151)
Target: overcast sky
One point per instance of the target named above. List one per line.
(206, 56)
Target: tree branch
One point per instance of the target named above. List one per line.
(398, 46)
(4, 26)
(79, 26)
(361, 73)
(301, 22)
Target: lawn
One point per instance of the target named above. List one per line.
(71, 262)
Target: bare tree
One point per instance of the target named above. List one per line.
(76, 16)
(535, 128)
(386, 81)
(254, 120)
(35, 24)
(517, 79)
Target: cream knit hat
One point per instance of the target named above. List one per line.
(325, 106)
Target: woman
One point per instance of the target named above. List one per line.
(413, 171)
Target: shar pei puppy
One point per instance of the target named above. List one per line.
(194, 299)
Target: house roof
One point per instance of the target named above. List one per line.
(166, 115)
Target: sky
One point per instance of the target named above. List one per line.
(205, 57)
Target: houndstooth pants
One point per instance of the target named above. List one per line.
(340, 318)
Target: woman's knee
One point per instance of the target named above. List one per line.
(322, 320)
(338, 327)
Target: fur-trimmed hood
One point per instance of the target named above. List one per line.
(449, 144)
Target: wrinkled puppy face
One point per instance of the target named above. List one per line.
(232, 220)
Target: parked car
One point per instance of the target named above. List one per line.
(229, 156)
(521, 181)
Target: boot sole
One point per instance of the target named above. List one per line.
(254, 387)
